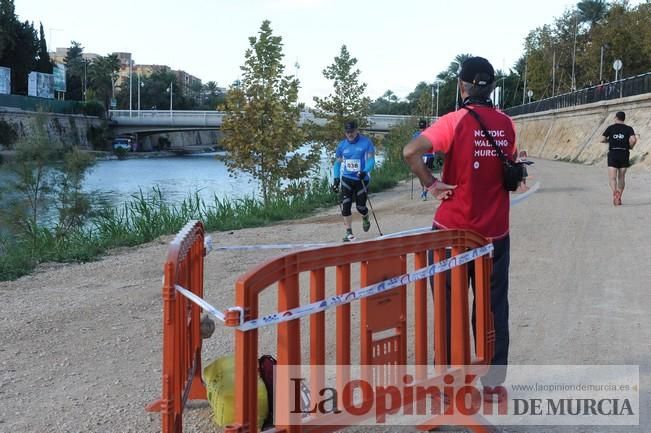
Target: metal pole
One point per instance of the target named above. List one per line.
(524, 88)
(601, 64)
(437, 98)
(431, 107)
(574, 55)
(130, 87)
(171, 96)
(85, 87)
(139, 84)
(554, 74)
(456, 101)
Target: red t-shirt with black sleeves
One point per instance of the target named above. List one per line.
(479, 202)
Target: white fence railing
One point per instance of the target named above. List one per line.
(379, 122)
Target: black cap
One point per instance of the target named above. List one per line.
(422, 124)
(350, 126)
(478, 71)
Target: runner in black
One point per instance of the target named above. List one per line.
(621, 139)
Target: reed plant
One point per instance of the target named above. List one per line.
(148, 215)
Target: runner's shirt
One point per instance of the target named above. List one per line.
(479, 202)
(618, 135)
(353, 155)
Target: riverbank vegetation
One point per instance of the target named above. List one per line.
(80, 234)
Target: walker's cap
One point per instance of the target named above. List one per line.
(478, 71)
(422, 124)
(351, 126)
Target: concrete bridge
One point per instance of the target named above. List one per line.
(156, 121)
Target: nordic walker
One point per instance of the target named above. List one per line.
(354, 160)
(471, 190)
(621, 139)
(428, 158)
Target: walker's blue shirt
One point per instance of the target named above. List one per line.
(353, 155)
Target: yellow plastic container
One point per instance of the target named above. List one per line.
(219, 377)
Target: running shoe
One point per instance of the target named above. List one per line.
(366, 223)
(349, 236)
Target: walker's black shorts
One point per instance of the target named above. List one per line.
(619, 158)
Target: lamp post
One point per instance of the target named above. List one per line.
(130, 86)
(170, 89)
(574, 55)
(140, 84)
(456, 100)
(601, 62)
(85, 80)
(431, 105)
(438, 85)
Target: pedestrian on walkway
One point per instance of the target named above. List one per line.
(354, 160)
(621, 139)
(471, 191)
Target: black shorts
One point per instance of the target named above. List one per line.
(618, 159)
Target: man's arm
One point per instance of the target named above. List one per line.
(413, 154)
(632, 141)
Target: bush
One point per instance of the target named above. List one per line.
(98, 136)
(8, 135)
(164, 143)
(93, 108)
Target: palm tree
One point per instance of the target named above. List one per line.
(592, 11)
(102, 74)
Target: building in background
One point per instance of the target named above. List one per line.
(61, 53)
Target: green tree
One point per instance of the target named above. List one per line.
(8, 28)
(347, 103)
(73, 205)
(154, 91)
(261, 131)
(44, 64)
(102, 75)
(592, 11)
(75, 68)
(30, 185)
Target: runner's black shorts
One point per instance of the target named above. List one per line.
(619, 159)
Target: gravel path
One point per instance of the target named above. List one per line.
(80, 345)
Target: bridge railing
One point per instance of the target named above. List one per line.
(376, 122)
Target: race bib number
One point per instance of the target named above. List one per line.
(352, 165)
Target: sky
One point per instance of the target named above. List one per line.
(398, 43)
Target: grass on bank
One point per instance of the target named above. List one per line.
(147, 216)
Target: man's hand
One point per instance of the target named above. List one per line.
(361, 175)
(442, 191)
(335, 186)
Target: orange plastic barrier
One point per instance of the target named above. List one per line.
(384, 323)
(181, 328)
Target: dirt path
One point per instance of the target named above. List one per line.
(80, 344)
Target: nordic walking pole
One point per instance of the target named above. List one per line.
(412, 186)
(371, 206)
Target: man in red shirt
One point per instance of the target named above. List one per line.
(471, 190)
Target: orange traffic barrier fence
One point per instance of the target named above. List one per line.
(384, 324)
(181, 328)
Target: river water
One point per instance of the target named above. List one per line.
(115, 181)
